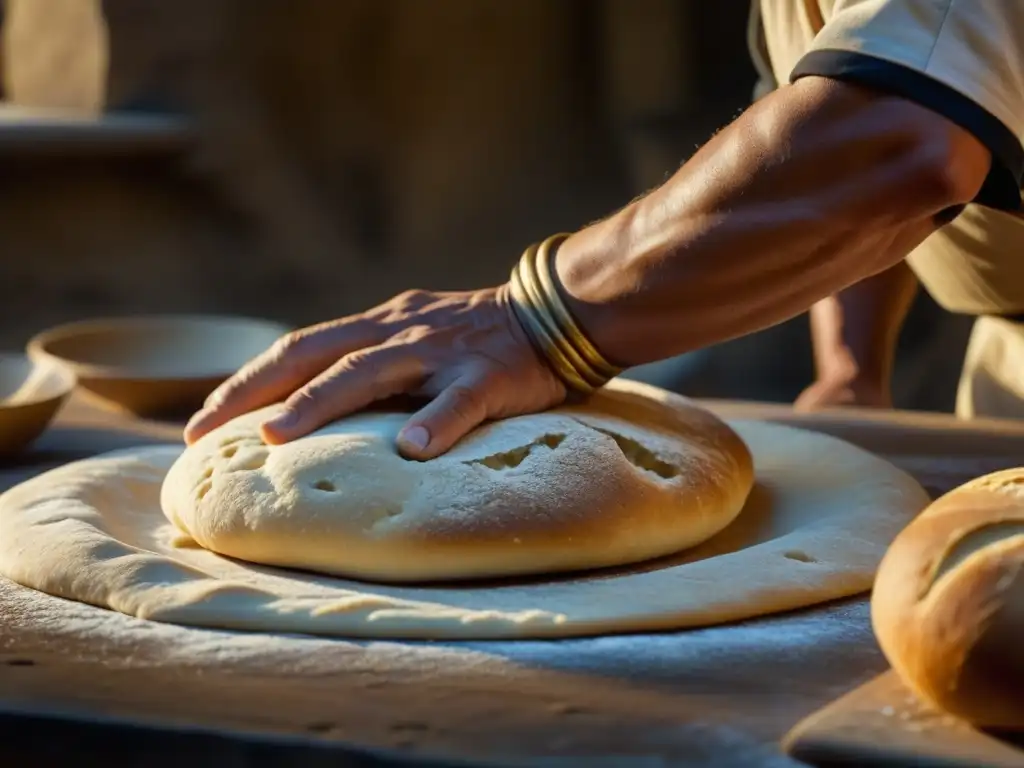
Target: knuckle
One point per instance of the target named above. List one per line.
(229, 389)
(305, 399)
(362, 361)
(412, 296)
(467, 403)
(495, 377)
(289, 353)
(398, 309)
(216, 398)
(413, 334)
(291, 343)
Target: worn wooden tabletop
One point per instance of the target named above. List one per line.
(721, 696)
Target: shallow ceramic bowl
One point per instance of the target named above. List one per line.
(31, 393)
(154, 366)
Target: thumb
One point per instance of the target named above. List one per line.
(445, 420)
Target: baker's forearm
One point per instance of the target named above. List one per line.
(812, 189)
(855, 332)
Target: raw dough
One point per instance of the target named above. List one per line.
(815, 527)
(622, 480)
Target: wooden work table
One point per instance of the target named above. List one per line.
(721, 696)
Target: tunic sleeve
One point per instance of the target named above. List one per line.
(961, 58)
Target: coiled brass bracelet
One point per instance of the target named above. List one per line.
(550, 325)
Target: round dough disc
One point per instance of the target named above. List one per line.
(625, 478)
(815, 527)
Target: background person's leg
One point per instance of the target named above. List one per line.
(992, 382)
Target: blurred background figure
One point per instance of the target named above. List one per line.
(306, 159)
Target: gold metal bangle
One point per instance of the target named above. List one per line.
(535, 290)
(529, 315)
(545, 267)
(534, 328)
(560, 366)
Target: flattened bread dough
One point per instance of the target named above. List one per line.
(815, 527)
(574, 488)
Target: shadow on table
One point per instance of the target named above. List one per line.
(60, 445)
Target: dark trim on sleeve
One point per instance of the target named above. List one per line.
(1002, 187)
(1017, 317)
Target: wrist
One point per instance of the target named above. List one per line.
(874, 384)
(593, 281)
(842, 365)
(541, 309)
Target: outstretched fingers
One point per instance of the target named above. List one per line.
(274, 374)
(352, 383)
(461, 348)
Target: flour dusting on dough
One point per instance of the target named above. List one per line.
(93, 532)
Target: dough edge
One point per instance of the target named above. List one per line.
(205, 601)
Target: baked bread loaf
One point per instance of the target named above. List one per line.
(621, 479)
(948, 602)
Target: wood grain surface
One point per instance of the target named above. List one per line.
(882, 725)
(722, 696)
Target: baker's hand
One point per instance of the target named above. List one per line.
(465, 351)
(842, 392)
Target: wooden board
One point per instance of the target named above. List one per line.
(940, 451)
(881, 724)
(719, 697)
(894, 433)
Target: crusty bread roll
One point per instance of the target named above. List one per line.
(948, 602)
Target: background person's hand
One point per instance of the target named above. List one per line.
(465, 351)
(843, 392)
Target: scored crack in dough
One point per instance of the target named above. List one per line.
(817, 523)
(569, 489)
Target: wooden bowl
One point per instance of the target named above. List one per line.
(31, 393)
(160, 367)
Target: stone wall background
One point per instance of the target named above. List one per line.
(344, 150)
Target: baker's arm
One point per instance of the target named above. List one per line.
(854, 335)
(905, 110)
(816, 187)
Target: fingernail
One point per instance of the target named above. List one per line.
(415, 437)
(284, 420)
